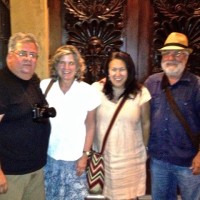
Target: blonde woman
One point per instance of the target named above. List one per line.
(72, 129)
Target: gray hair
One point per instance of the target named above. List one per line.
(21, 37)
(67, 50)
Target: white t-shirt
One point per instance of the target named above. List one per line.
(68, 129)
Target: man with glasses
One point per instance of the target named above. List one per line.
(23, 141)
(174, 159)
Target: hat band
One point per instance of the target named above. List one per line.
(175, 44)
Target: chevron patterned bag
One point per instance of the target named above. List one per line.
(95, 169)
(95, 173)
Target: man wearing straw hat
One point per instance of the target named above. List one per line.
(174, 158)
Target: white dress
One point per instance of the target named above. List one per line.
(125, 154)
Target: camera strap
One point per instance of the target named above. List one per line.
(49, 87)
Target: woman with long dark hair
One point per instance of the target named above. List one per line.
(125, 153)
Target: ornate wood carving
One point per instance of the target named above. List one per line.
(180, 16)
(96, 29)
(6, 3)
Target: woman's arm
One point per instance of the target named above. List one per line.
(145, 120)
(90, 130)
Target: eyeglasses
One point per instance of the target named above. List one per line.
(176, 54)
(26, 54)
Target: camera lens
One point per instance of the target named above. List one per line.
(40, 113)
(51, 112)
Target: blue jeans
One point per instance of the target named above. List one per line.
(166, 177)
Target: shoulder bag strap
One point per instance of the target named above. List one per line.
(179, 115)
(111, 123)
(49, 87)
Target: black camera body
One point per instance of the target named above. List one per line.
(41, 112)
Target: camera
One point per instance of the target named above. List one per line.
(41, 113)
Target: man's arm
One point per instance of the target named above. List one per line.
(1, 116)
(196, 164)
(3, 181)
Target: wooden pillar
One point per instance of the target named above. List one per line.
(139, 34)
(32, 16)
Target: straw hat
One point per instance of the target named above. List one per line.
(176, 41)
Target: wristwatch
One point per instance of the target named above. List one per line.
(87, 153)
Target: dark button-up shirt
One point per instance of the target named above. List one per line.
(168, 140)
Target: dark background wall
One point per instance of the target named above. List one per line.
(142, 28)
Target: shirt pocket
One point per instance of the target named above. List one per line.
(184, 104)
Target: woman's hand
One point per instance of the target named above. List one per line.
(81, 165)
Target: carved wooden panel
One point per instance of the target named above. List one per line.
(6, 3)
(96, 29)
(176, 16)
(4, 30)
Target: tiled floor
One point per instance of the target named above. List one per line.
(100, 197)
(148, 197)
